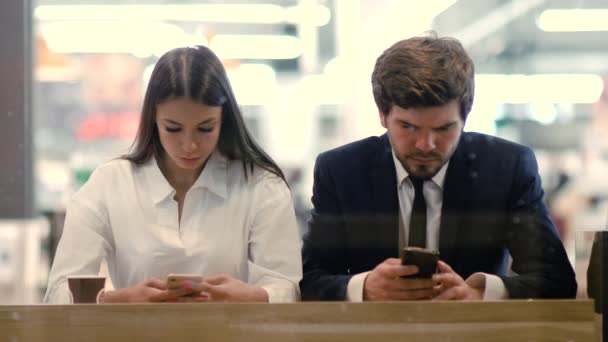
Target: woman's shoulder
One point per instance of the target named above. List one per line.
(114, 170)
(267, 182)
(115, 165)
(106, 176)
(251, 175)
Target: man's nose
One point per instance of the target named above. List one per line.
(425, 141)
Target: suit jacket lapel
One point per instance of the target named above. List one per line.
(385, 199)
(457, 185)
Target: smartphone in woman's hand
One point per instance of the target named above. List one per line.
(175, 281)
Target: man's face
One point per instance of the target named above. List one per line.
(425, 138)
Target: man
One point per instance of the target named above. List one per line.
(483, 196)
(597, 285)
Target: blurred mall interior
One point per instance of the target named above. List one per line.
(301, 72)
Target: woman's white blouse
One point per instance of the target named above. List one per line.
(126, 215)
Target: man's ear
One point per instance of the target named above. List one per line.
(382, 118)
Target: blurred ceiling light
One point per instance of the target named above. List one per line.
(433, 8)
(142, 39)
(228, 46)
(422, 13)
(418, 16)
(322, 90)
(573, 20)
(544, 112)
(551, 88)
(253, 84)
(337, 67)
(316, 15)
(227, 13)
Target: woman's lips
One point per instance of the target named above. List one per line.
(190, 159)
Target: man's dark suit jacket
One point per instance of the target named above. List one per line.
(492, 207)
(597, 271)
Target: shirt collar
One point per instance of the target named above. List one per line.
(438, 179)
(215, 175)
(212, 178)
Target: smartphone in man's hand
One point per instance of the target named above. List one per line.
(425, 259)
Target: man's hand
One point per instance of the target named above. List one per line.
(224, 288)
(452, 286)
(385, 283)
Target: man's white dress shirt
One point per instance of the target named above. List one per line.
(126, 214)
(433, 195)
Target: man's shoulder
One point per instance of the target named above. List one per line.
(491, 154)
(479, 142)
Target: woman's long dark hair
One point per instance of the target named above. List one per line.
(196, 73)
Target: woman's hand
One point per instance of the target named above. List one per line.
(223, 288)
(151, 290)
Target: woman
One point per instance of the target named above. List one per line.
(197, 195)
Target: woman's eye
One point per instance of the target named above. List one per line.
(173, 129)
(206, 129)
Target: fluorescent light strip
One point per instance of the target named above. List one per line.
(553, 88)
(253, 84)
(246, 13)
(139, 39)
(316, 15)
(573, 20)
(256, 46)
(322, 89)
(144, 39)
(236, 13)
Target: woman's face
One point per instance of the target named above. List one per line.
(189, 132)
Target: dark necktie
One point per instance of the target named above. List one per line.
(418, 219)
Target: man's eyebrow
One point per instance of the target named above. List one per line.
(447, 125)
(405, 122)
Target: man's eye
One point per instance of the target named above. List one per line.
(444, 128)
(173, 129)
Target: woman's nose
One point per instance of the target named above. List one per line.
(189, 144)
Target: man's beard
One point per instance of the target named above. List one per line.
(424, 171)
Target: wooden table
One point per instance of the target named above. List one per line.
(563, 320)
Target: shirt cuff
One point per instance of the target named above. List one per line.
(354, 291)
(281, 294)
(494, 287)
